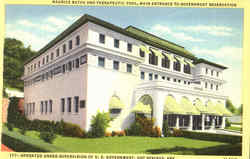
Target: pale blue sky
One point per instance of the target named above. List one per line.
(214, 34)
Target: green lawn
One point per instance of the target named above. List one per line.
(138, 145)
(233, 128)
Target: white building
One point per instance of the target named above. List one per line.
(94, 65)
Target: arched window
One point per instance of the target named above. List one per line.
(177, 65)
(165, 62)
(187, 69)
(153, 59)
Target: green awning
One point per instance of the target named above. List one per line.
(145, 49)
(172, 107)
(115, 103)
(212, 110)
(157, 53)
(181, 60)
(189, 107)
(190, 63)
(201, 107)
(142, 108)
(170, 57)
(222, 109)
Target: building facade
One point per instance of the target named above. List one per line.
(96, 66)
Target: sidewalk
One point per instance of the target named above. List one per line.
(6, 149)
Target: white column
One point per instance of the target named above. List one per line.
(158, 100)
(190, 127)
(213, 123)
(177, 122)
(223, 124)
(203, 122)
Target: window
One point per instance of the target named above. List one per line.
(101, 61)
(168, 78)
(188, 83)
(57, 52)
(187, 69)
(77, 40)
(70, 44)
(116, 43)
(142, 53)
(129, 68)
(212, 72)
(63, 68)
(217, 74)
(83, 59)
(185, 82)
(43, 60)
(64, 48)
(175, 80)
(217, 87)
(52, 56)
(70, 65)
(165, 62)
(38, 63)
(102, 38)
(33, 108)
(129, 47)
(50, 106)
(77, 61)
(150, 76)
(206, 85)
(76, 104)
(211, 86)
(179, 81)
(163, 77)
(156, 77)
(206, 70)
(115, 65)
(31, 67)
(47, 58)
(63, 105)
(46, 107)
(153, 59)
(35, 66)
(177, 65)
(142, 75)
(69, 104)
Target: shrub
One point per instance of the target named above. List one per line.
(47, 136)
(99, 124)
(166, 129)
(177, 132)
(122, 133)
(22, 130)
(213, 137)
(135, 129)
(228, 124)
(108, 134)
(10, 126)
(73, 130)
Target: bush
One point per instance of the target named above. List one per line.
(99, 124)
(166, 129)
(108, 134)
(135, 129)
(212, 137)
(22, 130)
(47, 136)
(228, 124)
(177, 132)
(122, 133)
(72, 130)
(10, 126)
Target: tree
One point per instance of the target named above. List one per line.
(240, 109)
(15, 55)
(230, 106)
(99, 124)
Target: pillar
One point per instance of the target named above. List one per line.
(158, 101)
(190, 127)
(223, 124)
(213, 123)
(202, 122)
(177, 126)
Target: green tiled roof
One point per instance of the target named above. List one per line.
(201, 60)
(115, 103)
(160, 43)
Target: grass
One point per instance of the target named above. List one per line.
(234, 128)
(135, 145)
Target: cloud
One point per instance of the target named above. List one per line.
(72, 18)
(27, 23)
(226, 53)
(29, 39)
(211, 30)
(59, 23)
(164, 30)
